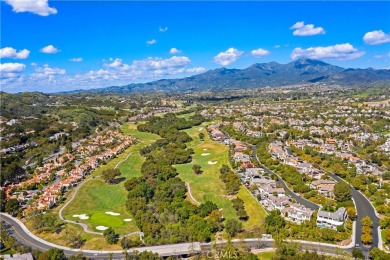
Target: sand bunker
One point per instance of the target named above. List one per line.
(101, 228)
(127, 219)
(205, 149)
(112, 213)
(81, 216)
(210, 162)
(205, 154)
(200, 129)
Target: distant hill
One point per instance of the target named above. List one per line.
(258, 75)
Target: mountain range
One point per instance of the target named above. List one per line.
(258, 75)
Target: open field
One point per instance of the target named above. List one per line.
(255, 212)
(208, 186)
(96, 197)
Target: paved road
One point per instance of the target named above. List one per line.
(299, 199)
(364, 208)
(22, 234)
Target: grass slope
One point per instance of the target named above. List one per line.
(208, 186)
(96, 197)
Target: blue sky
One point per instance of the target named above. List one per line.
(65, 45)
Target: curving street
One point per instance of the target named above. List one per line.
(364, 208)
(298, 199)
(18, 230)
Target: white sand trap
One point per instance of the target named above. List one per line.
(127, 219)
(112, 213)
(205, 154)
(205, 149)
(101, 228)
(200, 129)
(220, 209)
(210, 162)
(81, 216)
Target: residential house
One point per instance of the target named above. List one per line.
(331, 219)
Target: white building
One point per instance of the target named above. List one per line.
(331, 219)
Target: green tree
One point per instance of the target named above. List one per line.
(351, 211)
(111, 236)
(206, 208)
(233, 226)
(12, 206)
(197, 169)
(366, 221)
(366, 238)
(73, 239)
(109, 175)
(342, 191)
(357, 253)
(377, 254)
(201, 136)
(52, 254)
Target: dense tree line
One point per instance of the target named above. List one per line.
(157, 198)
(238, 205)
(231, 180)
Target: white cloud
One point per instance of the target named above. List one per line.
(159, 63)
(115, 64)
(40, 7)
(50, 49)
(196, 70)
(174, 51)
(338, 52)
(228, 57)
(153, 41)
(33, 64)
(9, 52)
(49, 79)
(11, 67)
(260, 53)
(163, 29)
(277, 46)
(376, 37)
(47, 71)
(76, 59)
(306, 30)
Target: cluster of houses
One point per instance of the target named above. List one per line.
(273, 197)
(386, 146)
(143, 116)
(60, 178)
(281, 152)
(239, 147)
(339, 149)
(17, 148)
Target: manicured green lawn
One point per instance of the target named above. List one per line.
(186, 116)
(255, 212)
(208, 186)
(104, 219)
(95, 197)
(266, 255)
